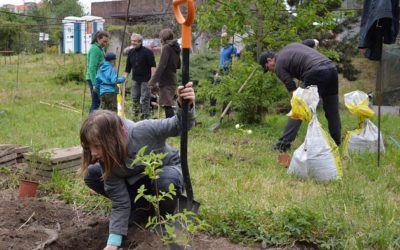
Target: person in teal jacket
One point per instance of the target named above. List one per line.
(94, 57)
(106, 83)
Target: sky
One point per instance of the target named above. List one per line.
(85, 3)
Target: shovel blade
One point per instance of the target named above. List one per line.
(185, 203)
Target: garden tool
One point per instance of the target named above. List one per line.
(216, 125)
(187, 202)
(121, 92)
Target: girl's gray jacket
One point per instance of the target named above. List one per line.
(150, 133)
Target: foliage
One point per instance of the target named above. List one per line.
(244, 198)
(12, 180)
(347, 51)
(265, 24)
(189, 221)
(74, 72)
(21, 32)
(63, 8)
(283, 228)
(37, 158)
(202, 66)
(9, 30)
(71, 189)
(261, 91)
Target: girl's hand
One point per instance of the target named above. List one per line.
(186, 93)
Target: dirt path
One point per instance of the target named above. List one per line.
(31, 223)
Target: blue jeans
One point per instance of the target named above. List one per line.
(141, 209)
(95, 98)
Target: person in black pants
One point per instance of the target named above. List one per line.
(141, 63)
(299, 61)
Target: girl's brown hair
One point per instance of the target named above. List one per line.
(165, 35)
(106, 129)
(99, 35)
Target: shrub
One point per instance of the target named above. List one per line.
(72, 72)
(261, 91)
(202, 67)
(52, 50)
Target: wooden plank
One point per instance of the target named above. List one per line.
(7, 151)
(61, 165)
(60, 154)
(9, 163)
(8, 157)
(66, 154)
(5, 146)
(22, 149)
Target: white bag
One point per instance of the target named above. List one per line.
(365, 137)
(318, 157)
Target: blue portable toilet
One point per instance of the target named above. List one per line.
(72, 35)
(89, 26)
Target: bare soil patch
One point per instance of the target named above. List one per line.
(33, 223)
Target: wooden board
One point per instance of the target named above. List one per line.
(61, 165)
(6, 149)
(9, 157)
(60, 154)
(9, 163)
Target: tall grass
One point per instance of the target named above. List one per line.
(245, 194)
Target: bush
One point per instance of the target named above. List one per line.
(261, 91)
(53, 50)
(72, 72)
(202, 67)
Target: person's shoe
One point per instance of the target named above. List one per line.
(281, 147)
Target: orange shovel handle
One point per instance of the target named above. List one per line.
(186, 23)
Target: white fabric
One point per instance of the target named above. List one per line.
(314, 158)
(366, 140)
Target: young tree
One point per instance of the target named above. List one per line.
(266, 24)
(64, 8)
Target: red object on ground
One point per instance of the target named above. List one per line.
(27, 188)
(284, 159)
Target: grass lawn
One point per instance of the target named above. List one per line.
(245, 194)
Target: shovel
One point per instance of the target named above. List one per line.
(187, 202)
(216, 125)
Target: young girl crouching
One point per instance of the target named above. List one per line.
(110, 144)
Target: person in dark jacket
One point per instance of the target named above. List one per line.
(165, 74)
(142, 64)
(379, 24)
(106, 83)
(299, 61)
(110, 144)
